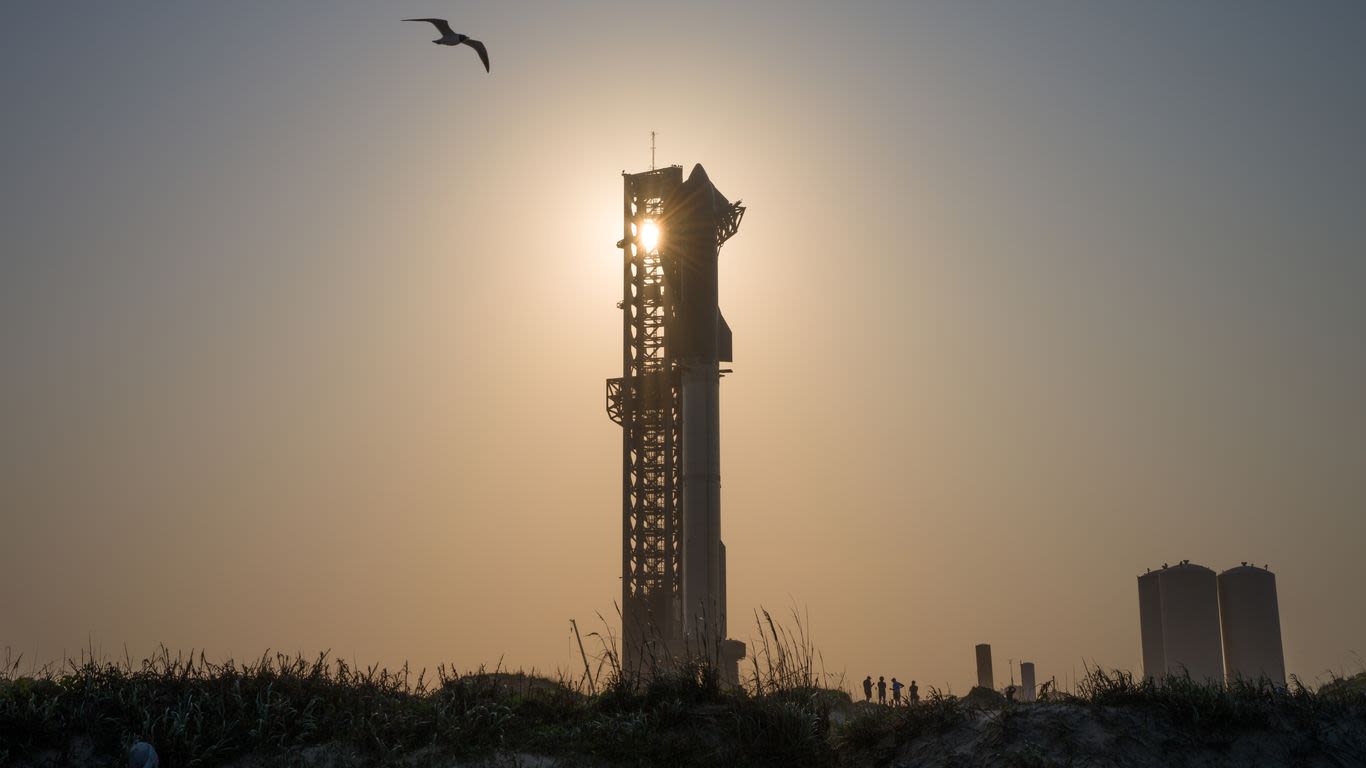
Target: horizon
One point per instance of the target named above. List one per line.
(306, 321)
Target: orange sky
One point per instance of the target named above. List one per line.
(305, 323)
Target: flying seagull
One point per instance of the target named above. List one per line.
(451, 37)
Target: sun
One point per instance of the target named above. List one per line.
(649, 235)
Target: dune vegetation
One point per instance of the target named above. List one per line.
(290, 710)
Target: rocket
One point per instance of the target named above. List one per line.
(694, 215)
(667, 403)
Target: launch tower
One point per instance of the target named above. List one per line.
(673, 563)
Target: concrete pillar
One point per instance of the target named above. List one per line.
(985, 678)
(1027, 681)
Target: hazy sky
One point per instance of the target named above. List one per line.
(304, 321)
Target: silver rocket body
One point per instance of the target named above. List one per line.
(692, 213)
(704, 612)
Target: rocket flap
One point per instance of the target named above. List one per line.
(723, 340)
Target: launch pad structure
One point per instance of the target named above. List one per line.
(673, 562)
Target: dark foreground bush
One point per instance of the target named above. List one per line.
(200, 713)
(1115, 720)
(275, 710)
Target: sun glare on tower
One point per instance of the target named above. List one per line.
(649, 235)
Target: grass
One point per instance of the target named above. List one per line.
(1113, 714)
(201, 713)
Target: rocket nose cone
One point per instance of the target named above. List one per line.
(698, 175)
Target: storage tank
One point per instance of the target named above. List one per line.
(1027, 680)
(1251, 620)
(1150, 625)
(985, 678)
(1190, 622)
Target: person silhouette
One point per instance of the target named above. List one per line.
(868, 688)
(881, 690)
(896, 692)
(914, 697)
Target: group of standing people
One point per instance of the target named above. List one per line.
(913, 695)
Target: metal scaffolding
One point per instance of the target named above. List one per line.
(645, 401)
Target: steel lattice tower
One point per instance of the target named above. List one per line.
(645, 401)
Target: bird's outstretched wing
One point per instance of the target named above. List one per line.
(442, 26)
(480, 49)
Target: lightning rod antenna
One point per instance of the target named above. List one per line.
(652, 150)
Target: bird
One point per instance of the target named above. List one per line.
(451, 37)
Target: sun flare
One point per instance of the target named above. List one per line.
(649, 235)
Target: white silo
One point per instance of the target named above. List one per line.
(1150, 625)
(1251, 619)
(1027, 681)
(1190, 622)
